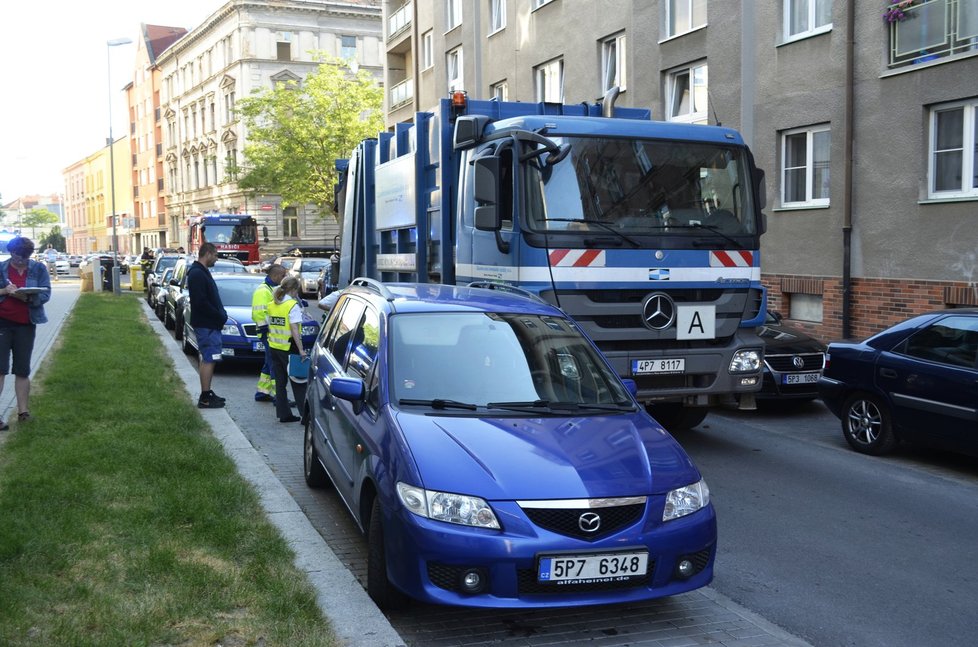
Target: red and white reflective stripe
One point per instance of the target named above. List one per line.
(731, 259)
(577, 258)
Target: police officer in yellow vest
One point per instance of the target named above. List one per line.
(285, 338)
(265, 392)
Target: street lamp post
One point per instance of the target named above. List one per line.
(109, 44)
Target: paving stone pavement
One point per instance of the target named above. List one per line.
(702, 617)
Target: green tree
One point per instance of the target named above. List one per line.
(36, 218)
(56, 239)
(297, 131)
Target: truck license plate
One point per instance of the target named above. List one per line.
(588, 568)
(658, 366)
(799, 378)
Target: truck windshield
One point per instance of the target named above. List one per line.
(498, 360)
(240, 234)
(640, 187)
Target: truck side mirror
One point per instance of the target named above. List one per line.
(487, 194)
(761, 187)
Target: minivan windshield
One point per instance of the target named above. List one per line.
(494, 360)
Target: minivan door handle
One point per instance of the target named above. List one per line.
(888, 372)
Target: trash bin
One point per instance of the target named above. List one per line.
(87, 281)
(107, 266)
(136, 278)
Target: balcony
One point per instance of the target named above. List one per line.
(399, 20)
(932, 30)
(401, 93)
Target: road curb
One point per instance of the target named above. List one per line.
(355, 618)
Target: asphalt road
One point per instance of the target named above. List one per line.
(832, 546)
(836, 547)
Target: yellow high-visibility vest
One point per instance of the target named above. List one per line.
(259, 304)
(279, 332)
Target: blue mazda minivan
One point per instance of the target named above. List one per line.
(492, 456)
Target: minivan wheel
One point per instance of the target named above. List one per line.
(185, 343)
(867, 425)
(313, 470)
(380, 589)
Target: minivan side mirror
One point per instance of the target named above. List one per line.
(351, 389)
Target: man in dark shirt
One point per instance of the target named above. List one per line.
(207, 317)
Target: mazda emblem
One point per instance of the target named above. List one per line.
(659, 311)
(798, 362)
(589, 522)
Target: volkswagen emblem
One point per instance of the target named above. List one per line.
(659, 311)
(589, 522)
(798, 362)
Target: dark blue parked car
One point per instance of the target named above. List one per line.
(916, 381)
(493, 458)
(239, 337)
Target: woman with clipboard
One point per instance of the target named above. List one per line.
(25, 287)
(285, 338)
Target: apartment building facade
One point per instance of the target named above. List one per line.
(146, 138)
(76, 224)
(242, 47)
(101, 199)
(862, 118)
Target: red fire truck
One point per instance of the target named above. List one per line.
(234, 235)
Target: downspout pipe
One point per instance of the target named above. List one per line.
(847, 198)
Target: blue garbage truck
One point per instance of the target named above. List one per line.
(646, 233)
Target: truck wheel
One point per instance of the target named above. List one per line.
(380, 589)
(676, 417)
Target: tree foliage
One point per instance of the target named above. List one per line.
(297, 131)
(37, 218)
(56, 239)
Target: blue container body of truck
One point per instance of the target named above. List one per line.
(646, 233)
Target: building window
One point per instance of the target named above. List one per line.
(613, 63)
(499, 91)
(684, 15)
(453, 14)
(687, 94)
(806, 17)
(805, 307)
(348, 47)
(290, 223)
(805, 166)
(933, 29)
(497, 15)
(549, 81)
(229, 107)
(953, 167)
(283, 51)
(427, 50)
(453, 64)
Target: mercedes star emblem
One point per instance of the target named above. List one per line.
(659, 311)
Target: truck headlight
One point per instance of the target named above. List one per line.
(745, 361)
(445, 506)
(686, 500)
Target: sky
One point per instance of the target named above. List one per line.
(55, 68)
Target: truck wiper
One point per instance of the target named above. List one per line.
(439, 403)
(712, 228)
(604, 226)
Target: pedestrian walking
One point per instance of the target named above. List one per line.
(207, 317)
(265, 391)
(285, 338)
(25, 287)
(51, 257)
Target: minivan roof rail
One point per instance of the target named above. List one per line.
(506, 287)
(372, 284)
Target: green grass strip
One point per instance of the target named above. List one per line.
(122, 520)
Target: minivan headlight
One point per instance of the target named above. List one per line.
(686, 500)
(444, 506)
